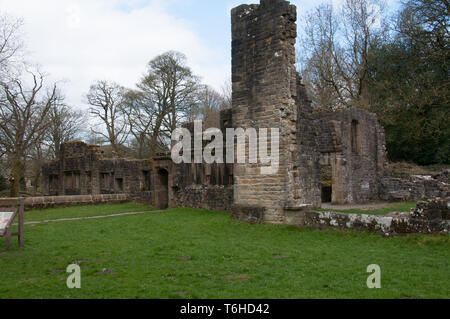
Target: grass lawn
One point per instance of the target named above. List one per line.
(187, 253)
(394, 207)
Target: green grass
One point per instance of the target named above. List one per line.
(394, 207)
(84, 211)
(227, 259)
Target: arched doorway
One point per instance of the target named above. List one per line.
(162, 189)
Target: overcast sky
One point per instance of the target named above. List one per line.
(81, 41)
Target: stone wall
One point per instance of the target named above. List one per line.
(202, 185)
(204, 196)
(250, 214)
(432, 216)
(428, 217)
(307, 160)
(56, 201)
(208, 186)
(268, 93)
(265, 86)
(352, 142)
(82, 170)
(413, 188)
(432, 209)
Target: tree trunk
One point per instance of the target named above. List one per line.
(153, 143)
(58, 150)
(15, 177)
(115, 149)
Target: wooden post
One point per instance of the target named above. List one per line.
(21, 220)
(8, 237)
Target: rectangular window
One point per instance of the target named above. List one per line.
(76, 180)
(119, 184)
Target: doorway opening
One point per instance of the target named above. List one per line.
(326, 182)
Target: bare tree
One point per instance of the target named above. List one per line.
(165, 98)
(11, 45)
(23, 119)
(227, 89)
(337, 48)
(65, 125)
(321, 57)
(94, 139)
(210, 103)
(174, 87)
(105, 99)
(360, 19)
(35, 159)
(142, 116)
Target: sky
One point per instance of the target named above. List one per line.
(77, 42)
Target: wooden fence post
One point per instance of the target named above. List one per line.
(21, 220)
(8, 237)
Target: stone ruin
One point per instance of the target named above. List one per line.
(431, 216)
(84, 170)
(338, 157)
(267, 92)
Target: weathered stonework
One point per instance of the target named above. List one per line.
(267, 93)
(414, 188)
(56, 201)
(352, 143)
(82, 170)
(428, 217)
(432, 209)
(265, 89)
(208, 186)
(248, 213)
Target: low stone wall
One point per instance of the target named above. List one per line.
(428, 217)
(433, 209)
(249, 214)
(383, 225)
(432, 216)
(54, 201)
(413, 188)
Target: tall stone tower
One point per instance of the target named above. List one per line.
(265, 95)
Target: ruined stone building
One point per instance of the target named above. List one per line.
(267, 92)
(83, 170)
(329, 156)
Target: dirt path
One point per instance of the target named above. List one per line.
(91, 217)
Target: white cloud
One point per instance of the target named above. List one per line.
(83, 41)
